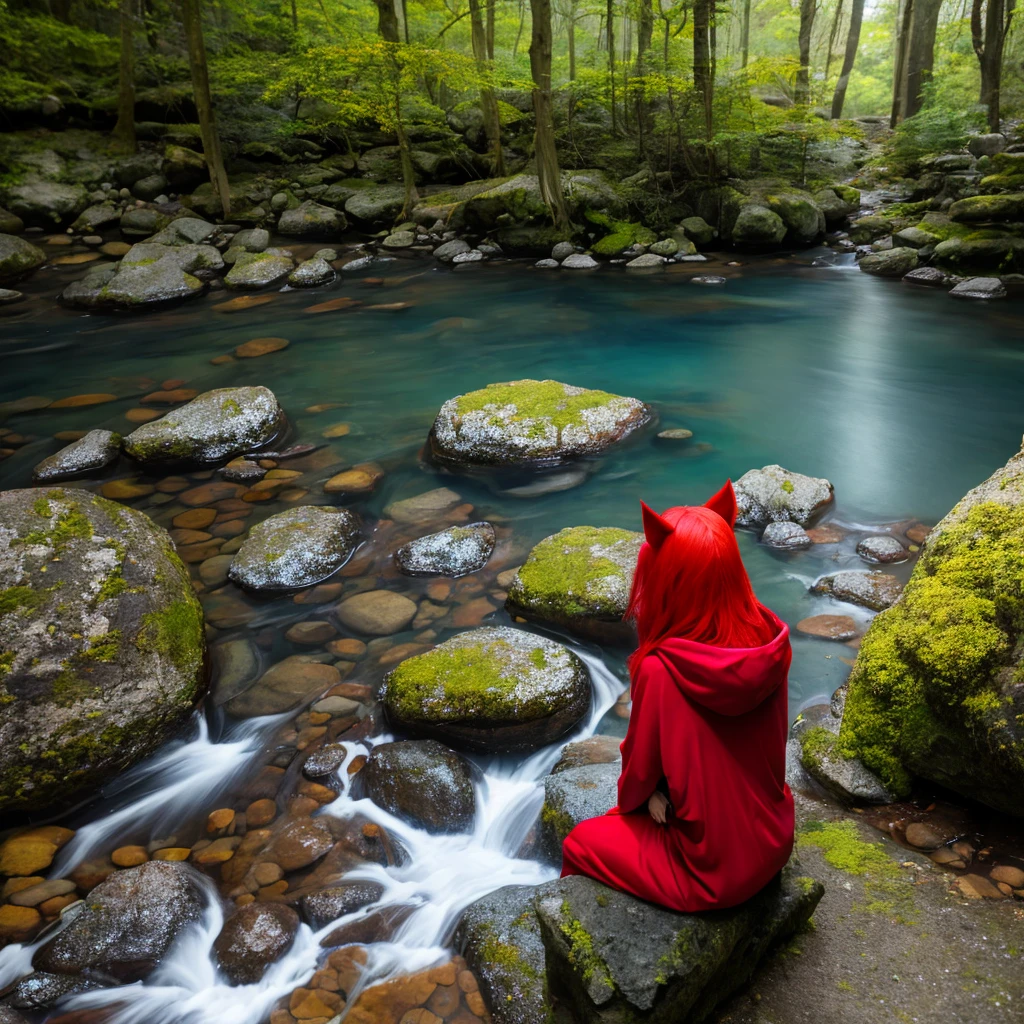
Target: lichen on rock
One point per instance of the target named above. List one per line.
(773, 494)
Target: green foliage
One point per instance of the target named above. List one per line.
(936, 128)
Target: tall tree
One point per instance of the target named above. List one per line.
(610, 18)
(490, 29)
(193, 25)
(915, 56)
(488, 102)
(704, 60)
(745, 35)
(833, 33)
(988, 36)
(849, 57)
(387, 20)
(124, 130)
(802, 93)
(549, 173)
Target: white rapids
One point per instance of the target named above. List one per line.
(441, 876)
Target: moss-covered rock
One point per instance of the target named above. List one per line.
(988, 209)
(312, 220)
(889, 262)
(757, 225)
(217, 425)
(101, 643)
(531, 421)
(981, 252)
(98, 449)
(296, 548)
(253, 270)
(18, 258)
(936, 689)
(621, 234)
(47, 204)
(491, 690)
(571, 796)
(579, 579)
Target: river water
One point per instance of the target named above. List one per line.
(903, 398)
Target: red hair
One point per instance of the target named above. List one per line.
(690, 582)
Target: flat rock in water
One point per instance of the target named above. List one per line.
(107, 645)
(829, 627)
(422, 507)
(98, 449)
(312, 273)
(711, 279)
(530, 421)
(254, 937)
(580, 261)
(217, 425)
(774, 494)
(377, 612)
(296, 548)
(874, 590)
(258, 270)
(648, 260)
(447, 251)
(786, 536)
(453, 552)
(329, 904)
(489, 690)
(284, 686)
(894, 262)
(931, 276)
(882, 549)
(579, 579)
(980, 288)
(18, 257)
(572, 796)
(422, 782)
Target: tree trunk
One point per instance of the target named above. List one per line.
(611, 58)
(802, 93)
(644, 32)
(916, 54)
(490, 29)
(572, 43)
(519, 33)
(124, 130)
(387, 20)
(404, 10)
(488, 102)
(548, 172)
(745, 35)
(850, 55)
(193, 25)
(703, 61)
(988, 46)
(412, 195)
(833, 33)
(295, 16)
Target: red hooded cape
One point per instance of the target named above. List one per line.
(708, 726)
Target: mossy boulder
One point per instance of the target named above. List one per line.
(532, 422)
(311, 220)
(101, 643)
(490, 690)
(756, 225)
(993, 253)
(47, 204)
(579, 579)
(620, 235)
(254, 270)
(987, 209)
(216, 426)
(936, 690)
(95, 451)
(889, 262)
(376, 207)
(296, 548)
(18, 258)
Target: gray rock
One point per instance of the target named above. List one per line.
(18, 257)
(214, 426)
(892, 263)
(757, 225)
(617, 958)
(647, 260)
(96, 217)
(8, 296)
(150, 187)
(47, 204)
(666, 247)
(377, 612)
(99, 448)
(128, 923)
(447, 251)
(363, 263)
(930, 276)
(453, 552)
(579, 579)
(236, 666)
(563, 422)
(980, 288)
(149, 275)
(874, 590)
(547, 264)
(473, 256)
(490, 690)
(296, 548)
(572, 796)
(698, 230)
(330, 255)
(258, 270)
(121, 665)
(835, 208)
(774, 494)
(252, 239)
(325, 761)
(376, 206)
(882, 549)
(327, 905)
(915, 238)
(254, 937)
(185, 231)
(422, 507)
(312, 273)
(43, 989)
(580, 261)
(399, 240)
(711, 279)
(785, 536)
(561, 250)
(421, 782)
(986, 145)
(311, 220)
(953, 162)
(243, 471)
(142, 222)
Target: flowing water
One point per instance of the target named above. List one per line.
(903, 398)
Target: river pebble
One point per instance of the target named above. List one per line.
(882, 549)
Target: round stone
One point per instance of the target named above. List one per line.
(675, 434)
(774, 494)
(828, 627)
(883, 549)
(260, 347)
(254, 937)
(489, 690)
(925, 836)
(785, 536)
(283, 686)
(453, 552)
(377, 612)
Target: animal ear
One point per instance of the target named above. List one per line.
(656, 529)
(724, 503)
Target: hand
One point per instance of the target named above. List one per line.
(659, 806)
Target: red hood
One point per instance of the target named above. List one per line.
(728, 680)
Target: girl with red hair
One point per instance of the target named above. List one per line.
(704, 818)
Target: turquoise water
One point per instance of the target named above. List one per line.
(903, 398)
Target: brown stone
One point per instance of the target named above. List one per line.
(917, 533)
(18, 922)
(439, 590)
(194, 518)
(924, 836)
(260, 347)
(129, 856)
(61, 435)
(34, 895)
(301, 843)
(90, 873)
(347, 648)
(320, 594)
(977, 887)
(222, 360)
(338, 430)
(228, 528)
(420, 1015)
(241, 303)
(13, 885)
(173, 397)
(125, 490)
(826, 534)
(172, 853)
(472, 613)
(261, 812)
(218, 851)
(306, 1004)
(444, 1000)
(219, 819)
(829, 627)
(82, 401)
(323, 407)
(315, 791)
(30, 852)
(114, 248)
(189, 536)
(1008, 875)
(360, 479)
(192, 553)
(475, 1003)
(342, 302)
(208, 493)
(267, 873)
(400, 652)
(76, 258)
(312, 632)
(55, 904)
(467, 981)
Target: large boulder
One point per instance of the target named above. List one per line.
(757, 225)
(184, 168)
(252, 938)
(422, 782)
(253, 270)
(579, 579)
(296, 548)
(96, 217)
(453, 552)
(216, 426)
(47, 204)
(95, 451)
(127, 924)
(532, 422)
(376, 207)
(571, 796)
(311, 220)
(490, 690)
(890, 262)
(981, 209)
(773, 494)
(101, 643)
(935, 690)
(18, 257)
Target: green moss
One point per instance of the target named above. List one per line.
(21, 599)
(176, 632)
(71, 524)
(621, 234)
(538, 657)
(231, 407)
(582, 954)
(787, 486)
(104, 648)
(816, 745)
(73, 684)
(506, 958)
(557, 820)
(906, 209)
(535, 400)
(7, 662)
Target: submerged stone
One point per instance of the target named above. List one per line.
(529, 421)
(490, 690)
(296, 548)
(101, 656)
(774, 494)
(453, 552)
(579, 579)
(98, 449)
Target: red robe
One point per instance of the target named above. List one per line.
(712, 723)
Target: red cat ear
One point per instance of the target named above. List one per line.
(724, 503)
(656, 529)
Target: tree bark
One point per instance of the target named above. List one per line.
(833, 33)
(572, 43)
(193, 25)
(488, 102)
(988, 43)
(703, 60)
(644, 31)
(611, 57)
(548, 172)
(490, 29)
(295, 16)
(915, 57)
(745, 35)
(802, 93)
(124, 130)
(387, 20)
(849, 57)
